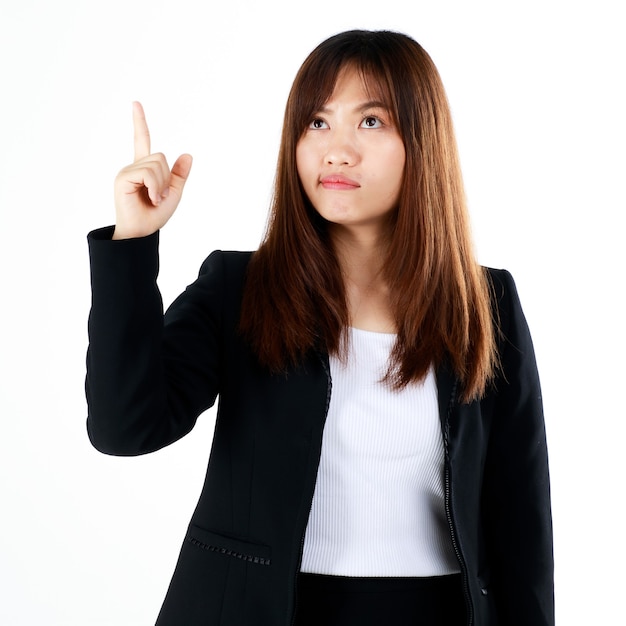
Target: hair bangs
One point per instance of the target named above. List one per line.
(316, 80)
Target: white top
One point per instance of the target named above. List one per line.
(378, 507)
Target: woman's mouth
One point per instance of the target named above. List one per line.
(339, 182)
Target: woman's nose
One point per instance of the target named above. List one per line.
(341, 149)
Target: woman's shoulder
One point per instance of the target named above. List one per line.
(217, 290)
(501, 280)
(227, 267)
(226, 260)
(503, 289)
(508, 312)
(223, 271)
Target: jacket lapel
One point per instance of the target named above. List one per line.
(446, 388)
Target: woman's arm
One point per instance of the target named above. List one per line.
(148, 378)
(145, 387)
(516, 499)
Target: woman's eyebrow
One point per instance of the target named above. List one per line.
(370, 104)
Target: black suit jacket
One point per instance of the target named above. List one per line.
(149, 376)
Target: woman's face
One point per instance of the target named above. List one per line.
(351, 157)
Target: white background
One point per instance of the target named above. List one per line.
(537, 92)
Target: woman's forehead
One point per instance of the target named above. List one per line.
(373, 86)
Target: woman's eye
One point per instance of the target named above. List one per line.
(371, 122)
(318, 124)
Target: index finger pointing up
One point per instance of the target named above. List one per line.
(142, 134)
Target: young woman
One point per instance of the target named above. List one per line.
(379, 454)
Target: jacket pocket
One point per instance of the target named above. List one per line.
(229, 546)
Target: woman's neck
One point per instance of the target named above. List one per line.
(361, 258)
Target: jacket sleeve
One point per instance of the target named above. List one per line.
(517, 488)
(148, 376)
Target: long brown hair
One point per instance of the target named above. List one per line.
(294, 298)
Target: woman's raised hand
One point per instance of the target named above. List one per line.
(147, 192)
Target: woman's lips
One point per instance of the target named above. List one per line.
(338, 182)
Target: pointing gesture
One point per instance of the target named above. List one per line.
(147, 192)
(142, 134)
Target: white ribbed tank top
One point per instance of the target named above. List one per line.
(378, 507)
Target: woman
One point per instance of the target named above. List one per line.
(379, 453)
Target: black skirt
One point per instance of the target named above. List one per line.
(353, 601)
